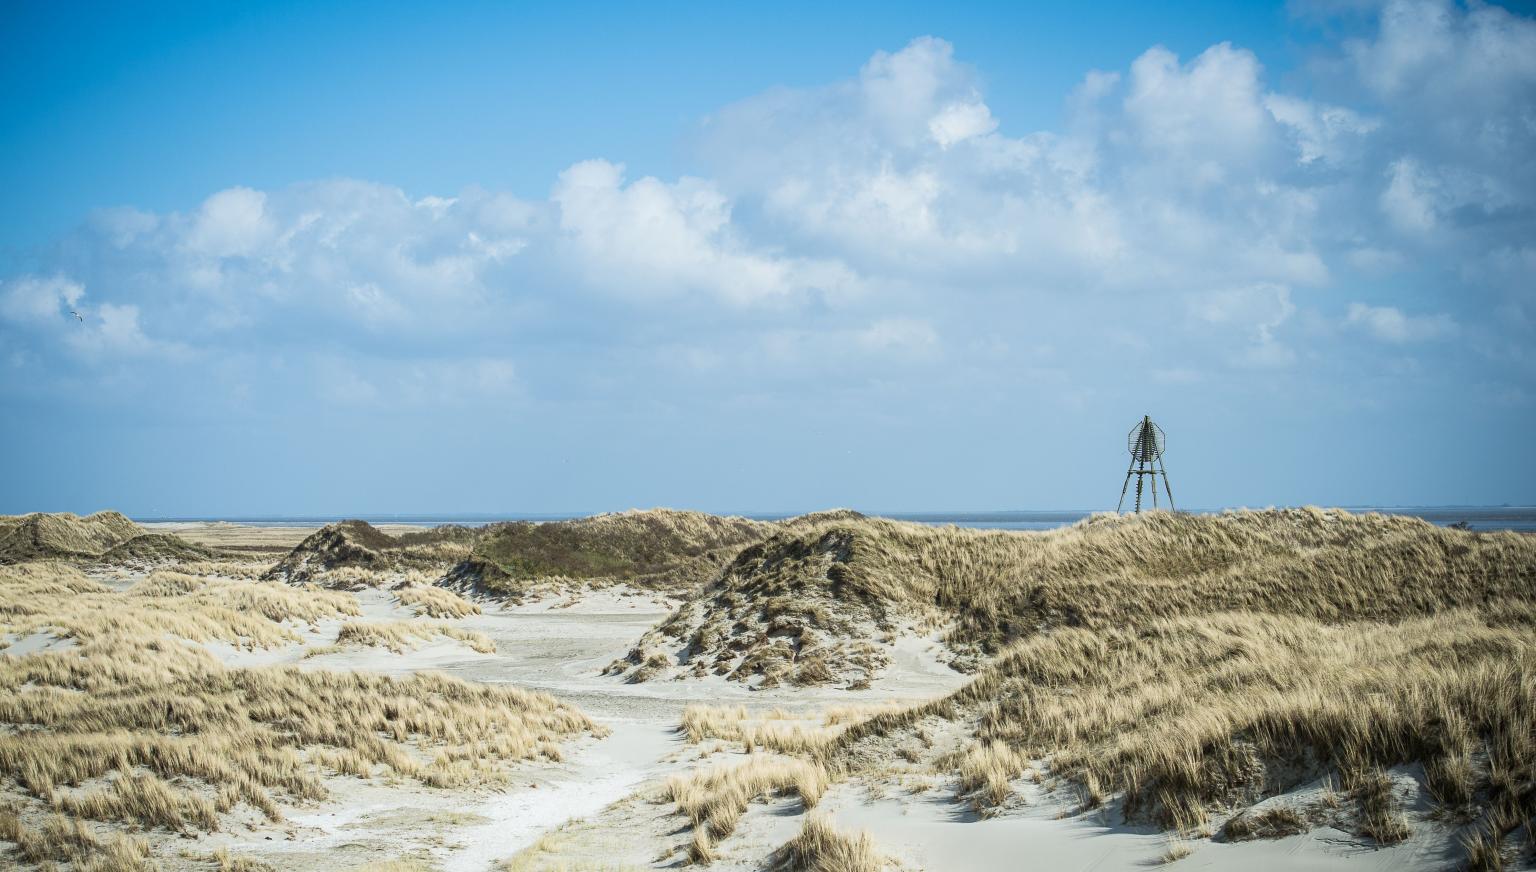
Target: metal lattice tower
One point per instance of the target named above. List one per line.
(1145, 443)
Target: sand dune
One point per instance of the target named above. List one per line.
(1300, 689)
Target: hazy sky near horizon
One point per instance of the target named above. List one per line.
(372, 258)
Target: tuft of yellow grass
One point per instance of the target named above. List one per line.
(821, 847)
(986, 772)
(61, 839)
(435, 602)
(715, 797)
(228, 862)
(400, 636)
(777, 730)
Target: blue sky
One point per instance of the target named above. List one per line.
(368, 258)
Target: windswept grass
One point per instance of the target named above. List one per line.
(60, 839)
(39, 536)
(776, 730)
(435, 602)
(821, 847)
(134, 726)
(798, 607)
(714, 798)
(400, 636)
(1187, 716)
(54, 597)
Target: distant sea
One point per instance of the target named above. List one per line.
(1522, 518)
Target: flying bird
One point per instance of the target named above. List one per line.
(78, 316)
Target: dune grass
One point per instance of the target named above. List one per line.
(401, 636)
(714, 798)
(776, 730)
(42, 535)
(1188, 716)
(802, 606)
(134, 725)
(58, 838)
(435, 602)
(821, 847)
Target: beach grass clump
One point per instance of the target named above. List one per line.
(986, 772)
(822, 847)
(714, 798)
(435, 602)
(1275, 822)
(58, 838)
(777, 730)
(401, 636)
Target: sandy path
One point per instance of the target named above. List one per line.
(557, 646)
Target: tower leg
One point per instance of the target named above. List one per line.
(1138, 491)
(1121, 505)
(1154, 489)
(1166, 485)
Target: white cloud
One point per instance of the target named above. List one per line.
(1326, 134)
(1390, 324)
(1209, 110)
(1191, 187)
(230, 223)
(958, 122)
(650, 238)
(38, 299)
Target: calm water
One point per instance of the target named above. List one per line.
(1521, 518)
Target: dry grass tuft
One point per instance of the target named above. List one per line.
(1272, 823)
(400, 636)
(986, 772)
(59, 839)
(228, 862)
(821, 847)
(777, 730)
(435, 602)
(714, 798)
(1380, 817)
(1177, 850)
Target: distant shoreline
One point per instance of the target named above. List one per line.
(1519, 518)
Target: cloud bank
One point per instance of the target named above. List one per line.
(1191, 220)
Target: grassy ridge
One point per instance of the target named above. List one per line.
(803, 605)
(655, 548)
(1193, 666)
(39, 535)
(612, 545)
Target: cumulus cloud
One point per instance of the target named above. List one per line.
(231, 223)
(1185, 202)
(651, 238)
